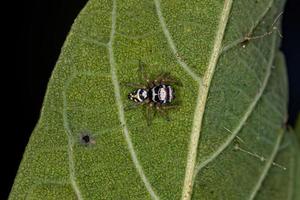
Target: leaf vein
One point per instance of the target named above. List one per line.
(267, 166)
(245, 116)
(172, 44)
(256, 23)
(70, 140)
(115, 83)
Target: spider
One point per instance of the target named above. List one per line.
(156, 94)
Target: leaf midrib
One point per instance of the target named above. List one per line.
(246, 115)
(201, 102)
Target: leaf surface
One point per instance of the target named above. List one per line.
(222, 139)
(284, 184)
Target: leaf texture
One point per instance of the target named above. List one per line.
(284, 184)
(226, 139)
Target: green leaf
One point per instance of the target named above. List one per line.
(222, 139)
(284, 184)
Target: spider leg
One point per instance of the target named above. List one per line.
(145, 76)
(160, 109)
(175, 82)
(163, 75)
(142, 70)
(159, 78)
(132, 106)
(135, 85)
(164, 114)
(165, 78)
(167, 107)
(149, 116)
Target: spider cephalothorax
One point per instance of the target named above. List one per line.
(157, 93)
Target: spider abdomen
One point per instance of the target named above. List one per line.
(161, 94)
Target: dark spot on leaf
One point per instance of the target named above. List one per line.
(86, 139)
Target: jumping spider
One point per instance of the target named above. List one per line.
(156, 94)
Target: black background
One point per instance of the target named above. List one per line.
(35, 37)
